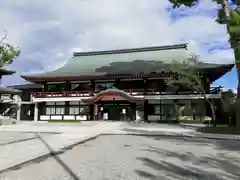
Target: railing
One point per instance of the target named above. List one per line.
(80, 93)
(133, 92)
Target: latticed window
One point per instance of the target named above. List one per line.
(157, 109)
(60, 110)
(50, 110)
(75, 107)
(55, 108)
(74, 110)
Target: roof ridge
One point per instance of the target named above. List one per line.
(131, 50)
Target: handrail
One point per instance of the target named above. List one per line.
(131, 91)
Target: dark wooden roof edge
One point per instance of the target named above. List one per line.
(84, 78)
(229, 65)
(9, 90)
(26, 86)
(132, 50)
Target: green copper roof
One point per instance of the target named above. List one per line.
(95, 62)
(124, 61)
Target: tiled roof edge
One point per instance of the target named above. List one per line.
(133, 50)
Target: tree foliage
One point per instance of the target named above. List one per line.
(7, 52)
(232, 22)
(187, 75)
(229, 94)
(178, 3)
(231, 17)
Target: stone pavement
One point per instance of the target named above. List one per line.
(126, 157)
(48, 127)
(25, 151)
(41, 145)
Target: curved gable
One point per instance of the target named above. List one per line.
(112, 94)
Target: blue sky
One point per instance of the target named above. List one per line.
(48, 31)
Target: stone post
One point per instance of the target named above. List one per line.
(19, 106)
(36, 112)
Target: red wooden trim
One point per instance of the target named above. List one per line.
(103, 94)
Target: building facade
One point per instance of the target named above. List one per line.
(126, 84)
(9, 100)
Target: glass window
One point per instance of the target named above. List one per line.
(151, 109)
(157, 109)
(60, 110)
(183, 101)
(71, 110)
(52, 110)
(48, 111)
(84, 109)
(74, 110)
(60, 103)
(167, 101)
(154, 101)
(74, 103)
(50, 103)
(73, 86)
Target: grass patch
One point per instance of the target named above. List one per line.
(220, 130)
(64, 121)
(191, 122)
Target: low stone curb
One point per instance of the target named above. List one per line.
(190, 126)
(237, 138)
(50, 154)
(148, 133)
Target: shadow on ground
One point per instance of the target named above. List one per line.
(230, 145)
(56, 157)
(185, 165)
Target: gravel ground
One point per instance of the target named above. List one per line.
(138, 158)
(150, 125)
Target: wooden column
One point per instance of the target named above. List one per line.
(91, 113)
(116, 84)
(145, 110)
(66, 108)
(93, 85)
(145, 83)
(42, 108)
(67, 86)
(45, 87)
(132, 111)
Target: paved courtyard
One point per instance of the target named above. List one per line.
(48, 127)
(127, 157)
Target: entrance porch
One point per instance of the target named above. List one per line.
(113, 104)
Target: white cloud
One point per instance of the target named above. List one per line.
(47, 31)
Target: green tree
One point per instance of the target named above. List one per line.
(228, 105)
(229, 95)
(231, 18)
(185, 74)
(7, 52)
